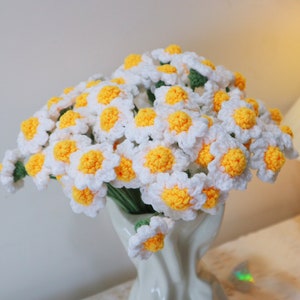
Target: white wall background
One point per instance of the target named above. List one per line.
(46, 251)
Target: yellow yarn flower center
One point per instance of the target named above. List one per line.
(254, 104)
(176, 94)
(118, 80)
(177, 198)
(81, 100)
(274, 159)
(53, 101)
(276, 115)
(92, 83)
(29, 128)
(159, 159)
(63, 149)
(204, 156)
(108, 93)
(84, 197)
(173, 49)
(168, 69)
(219, 98)
(109, 118)
(132, 60)
(68, 90)
(244, 117)
(240, 81)
(124, 170)
(179, 121)
(208, 63)
(212, 197)
(35, 164)
(286, 129)
(145, 117)
(154, 243)
(234, 162)
(91, 162)
(68, 119)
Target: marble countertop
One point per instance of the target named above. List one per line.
(273, 256)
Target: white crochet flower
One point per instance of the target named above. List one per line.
(149, 238)
(165, 55)
(176, 195)
(34, 133)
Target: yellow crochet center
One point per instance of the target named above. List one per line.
(276, 115)
(168, 69)
(177, 198)
(244, 117)
(154, 243)
(145, 117)
(108, 93)
(91, 162)
(208, 63)
(173, 49)
(204, 156)
(68, 119)
(274, 159)
(92, 83)
(29, 128)
(219, 98)
(68, 90)
(35, 164)
(1, 167)
(118, 80)
(240, 81)
(109, 118)
(209, 119)
(132, 60)
(81, 100)
(179, 121)
(63, 149)
(124, 170)
(286, 129)
(53, 101)
(176, 94)
(212, 195)
(254, 104)
(84, 197)
(234, 162)
(159, 159)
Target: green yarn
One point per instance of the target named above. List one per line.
(19, 171)
(196, 79)
(159, 84)
(63, 111)
(140, 223)
(151, 96)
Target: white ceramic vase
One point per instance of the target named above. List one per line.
(171, 274)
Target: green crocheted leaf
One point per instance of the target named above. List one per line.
(196, 79)
(19, 172)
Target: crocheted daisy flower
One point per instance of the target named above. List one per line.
(37, 170)
(86, 200)
(167, 74)
(183, 127)
(149, 238)
(93, 165)
(11, 170)
(111, 122)
(59, 151)
(230, 166)
(108, 92)
(176, 195)
(157, 157)
(125, 174)
(268, 157)
(165, 55)
(176, 96)
(145, 125)
(34, 133)
(239, 118)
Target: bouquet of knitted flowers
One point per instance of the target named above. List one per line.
(168, 133)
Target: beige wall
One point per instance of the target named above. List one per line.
(46, 251)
